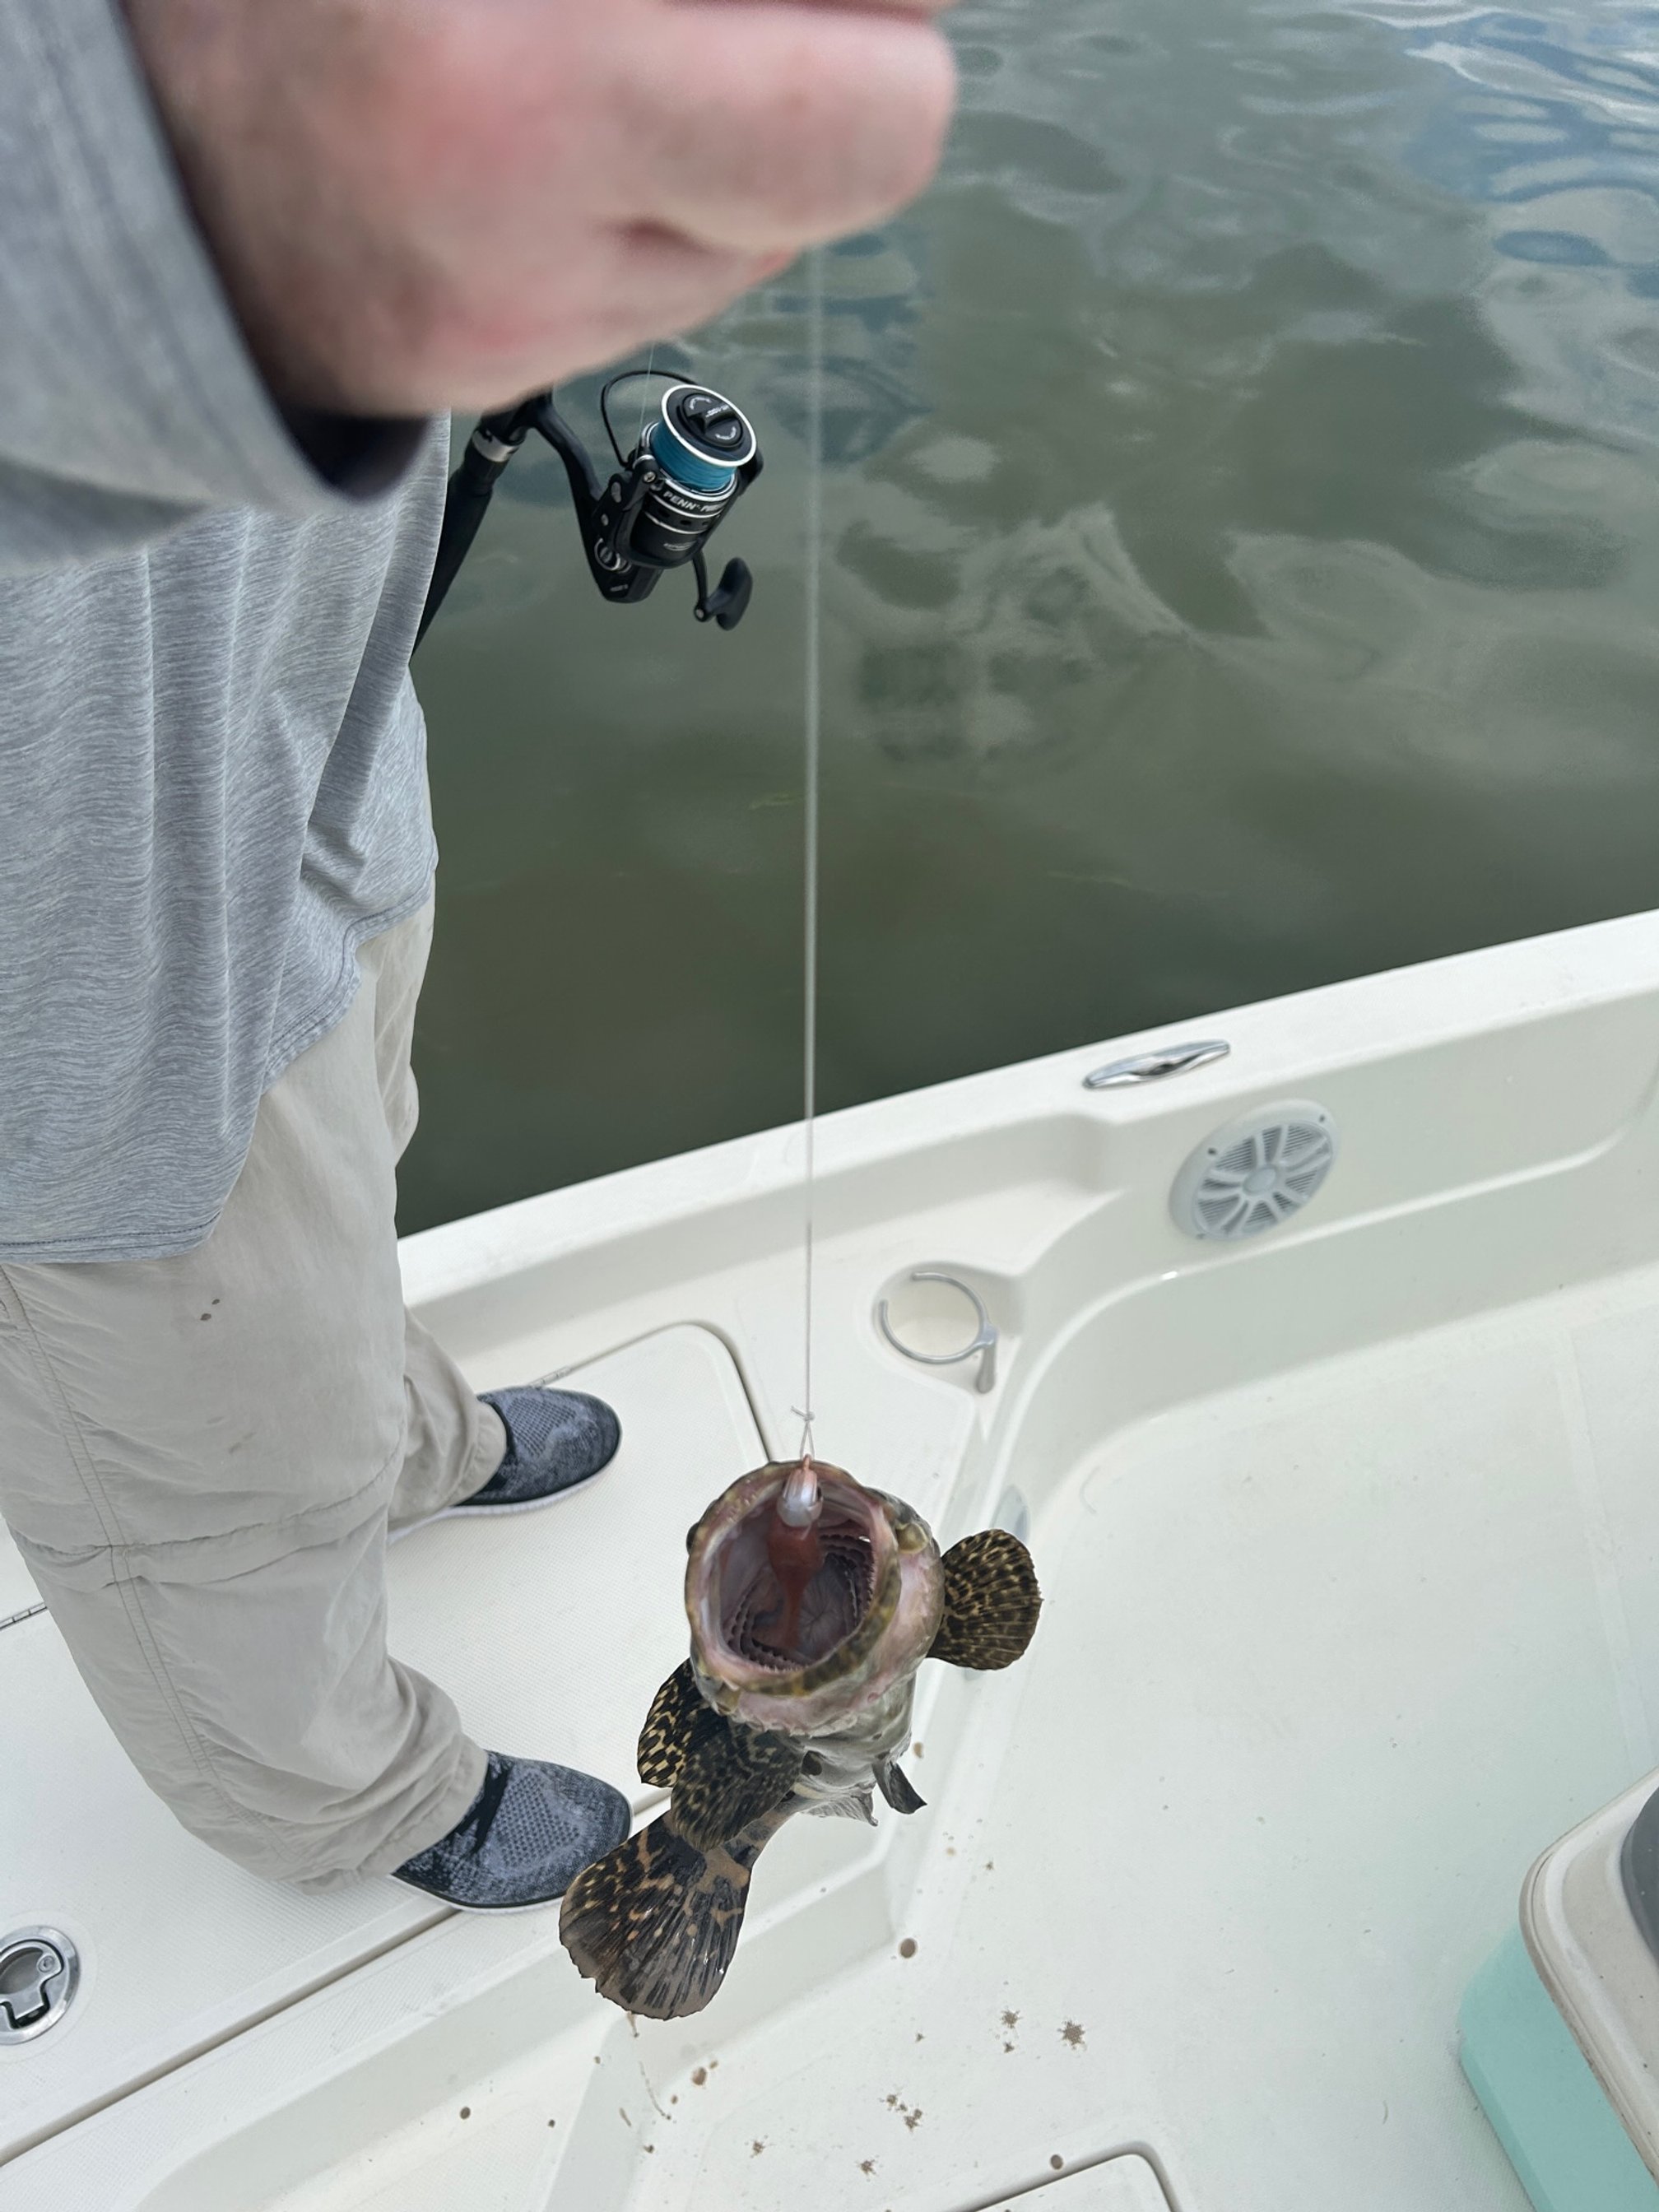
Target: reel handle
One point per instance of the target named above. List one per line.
(728, 603)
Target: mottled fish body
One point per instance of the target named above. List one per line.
(844, 1766)
(792, 1700)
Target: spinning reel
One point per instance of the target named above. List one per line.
(659, 509)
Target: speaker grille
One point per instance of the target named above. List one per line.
(1255, 1173)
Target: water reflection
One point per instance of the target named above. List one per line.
(1553, 122)
(1242, 550)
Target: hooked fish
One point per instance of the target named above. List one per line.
(813, 1601)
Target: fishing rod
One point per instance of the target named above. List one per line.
(661, 504)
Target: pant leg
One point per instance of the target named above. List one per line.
(451, 1443)
(198, 1457)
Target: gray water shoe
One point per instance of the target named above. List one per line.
(555, 1440)
(523, 1840)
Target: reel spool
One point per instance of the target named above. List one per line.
(691, 465)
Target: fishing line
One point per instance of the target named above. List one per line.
(812, 719)
(645, 395)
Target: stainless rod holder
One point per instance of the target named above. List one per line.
(983, 1347)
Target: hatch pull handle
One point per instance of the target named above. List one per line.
(1150, 1066)
(38, 1970)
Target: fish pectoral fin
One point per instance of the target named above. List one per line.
(731, 1776)
(675, 1720)
(896, 1787)
(654, 1922)
(990, 1602)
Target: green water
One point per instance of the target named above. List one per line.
(1242, 552)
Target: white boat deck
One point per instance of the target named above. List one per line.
(1350, 1542)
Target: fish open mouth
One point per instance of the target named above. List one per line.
(804, 1630)
(754, 1610)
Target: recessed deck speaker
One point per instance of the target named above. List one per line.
(1256, 1172)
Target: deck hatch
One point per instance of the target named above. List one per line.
(1125, 2184)
(189, 1950)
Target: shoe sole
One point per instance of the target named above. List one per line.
(499, 1911)
(481, 1911)
(497, 1513)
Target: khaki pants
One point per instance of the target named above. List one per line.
(199, 1458)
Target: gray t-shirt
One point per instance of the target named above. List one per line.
(212, 767)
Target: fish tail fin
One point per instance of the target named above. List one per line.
(654, 1922)
(990, 1602)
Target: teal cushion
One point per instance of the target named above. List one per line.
(1546, 2106)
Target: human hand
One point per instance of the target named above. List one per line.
(417, 204)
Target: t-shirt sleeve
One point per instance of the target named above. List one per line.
(129, 402)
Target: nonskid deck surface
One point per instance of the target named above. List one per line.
(1324, 1662)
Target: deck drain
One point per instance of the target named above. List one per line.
(1256, 1172)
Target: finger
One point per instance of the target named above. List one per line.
(666, 284)
(808, 122)
(637, 285)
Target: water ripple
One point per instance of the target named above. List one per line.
(1244, 541)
